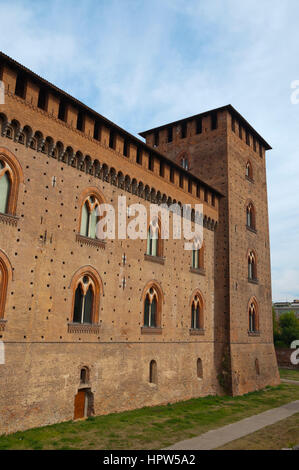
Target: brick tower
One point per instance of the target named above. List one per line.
(221, 148)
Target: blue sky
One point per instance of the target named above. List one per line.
(142, 63)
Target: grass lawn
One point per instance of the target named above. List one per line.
(289, 374)
(152, 427)
(280, 435)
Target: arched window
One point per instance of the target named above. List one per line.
(89, 217)
(152, 307)
(5, 275)
(252, 271)
(87, 288)
(10, 177)
(5, 187)
(253, 317)
(199, 368)
(185, 163)
(248, 171)
(84, 375)
(250, 216)
(154, 241)
(197, 255)
(197, 313)
(153, 373)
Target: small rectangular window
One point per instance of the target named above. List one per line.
(169, 134)
(213, 199)
(181, 180)
(206, 195)
(261, 151)
(62, 111)
(189, 185)
(254, 144)
(161, 169)
(151, 162)
(20, 86)
(198, 190)
(183, 130)
(171, 175)
(80, 121)
(247, 138)
(156, 139)
(139, 156)
(214, 123)
(126, 148)
(97, 131)
(42, 99)
(112, 139)
(240, 131)
(198, 128)
(233, 125)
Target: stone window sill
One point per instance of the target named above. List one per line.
(251, 180)
(254, 333)
(198, 271)
(251, 229)
(151, 330)
(196, 331)
(8, 219)
(253, 281)
(90, 241)
(83, 328)
(154, 259)
(2, 324)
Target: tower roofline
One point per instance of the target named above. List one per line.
(227, 107)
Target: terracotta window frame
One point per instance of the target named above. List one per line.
(197, 307)
(152, 291)
(85, 197)
(6, 275)
(15, 173)
(98, 293)
(253, 317)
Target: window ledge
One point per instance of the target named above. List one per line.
(254, 333)
(249, 179)
(154, 259)
(251, 229)
(198, 271)
(90, 241)
(151, 330)
(83, 328)
(196, 331)
(2, 324)
(253, 281)
(8, 219)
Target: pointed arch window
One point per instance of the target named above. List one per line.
(250, 216)
(249, 171)
(252, 270)
(154, 242)
(197, 260)
(84, 301)
(89, 217)
(197, 313)
(10, 177)
(152, 309)
(253, 326)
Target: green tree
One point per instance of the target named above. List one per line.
(288, 329)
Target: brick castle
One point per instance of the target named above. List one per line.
(91, 326)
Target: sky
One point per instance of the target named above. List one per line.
(143, 63)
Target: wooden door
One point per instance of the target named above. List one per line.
(79, 404)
